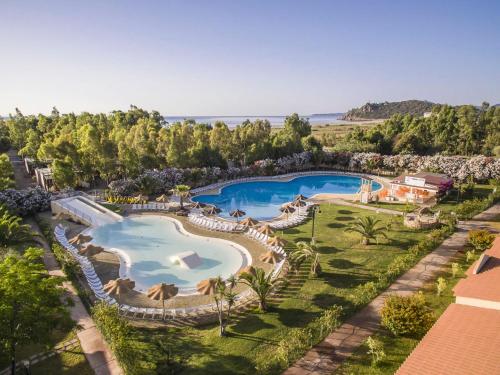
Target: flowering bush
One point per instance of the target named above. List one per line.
(25, 202)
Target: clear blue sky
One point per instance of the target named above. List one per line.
(245, 57)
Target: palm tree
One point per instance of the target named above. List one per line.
(182, 191)
(368, 228)
(304, 252)
(261, 284)
(223, 291)
(12, 230)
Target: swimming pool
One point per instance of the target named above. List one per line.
(147, 243)
(263, 199)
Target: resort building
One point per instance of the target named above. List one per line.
(44, 178)
(466, 338)
(419, 188)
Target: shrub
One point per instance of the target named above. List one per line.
(25, 202)
(375, 349)
(363, 293)
(455, 269)
(470, 255)
(481, 239)
(441, 285)
(406, 315)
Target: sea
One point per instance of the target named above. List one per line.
(276, 121)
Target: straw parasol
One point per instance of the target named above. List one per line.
(276, 241)
(288, 209)
(249, 222)
(300, 197)
(118, 287)
(299, 203)
(237, 214)
(80, 239)
(162, 199)
(248, 269)
(90, 250)
(198, 205)
(212, 210)
(266, 229)
(162, 292)
(206, 287)
(270, 257)
(142, 198)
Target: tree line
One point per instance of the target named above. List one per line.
(464, 130)
(123, 144)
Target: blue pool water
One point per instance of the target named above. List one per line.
(146, 244)
(263, 199)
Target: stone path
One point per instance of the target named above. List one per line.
(328, 355)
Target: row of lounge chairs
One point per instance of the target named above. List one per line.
(263, 238)
(150, 206)
(213, 224)
(293, 219)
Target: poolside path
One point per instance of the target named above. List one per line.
(94, 347)
(327, 356)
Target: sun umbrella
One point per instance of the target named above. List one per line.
(197, 205)
(142, 198)
(298, 203)
(270, 257)
(249, 222)
(276, 241)
(300, 197)
(118, 287)
(80, 239)
(237, 214)
(206, 287)
(248, 269)
(212, 210)
(162, 199)
(266, 229)
(90, 250)
(162, 292)
(287, 210)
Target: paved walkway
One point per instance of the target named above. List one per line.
(99, 356)
(328, 355)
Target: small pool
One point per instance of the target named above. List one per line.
(263, 199)
(146, 244)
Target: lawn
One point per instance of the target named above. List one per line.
(398, 348)
(449, 203)
(402, 207)
(252, 338)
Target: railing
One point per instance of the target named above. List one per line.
(80, 214)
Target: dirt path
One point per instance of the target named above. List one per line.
(327, 356)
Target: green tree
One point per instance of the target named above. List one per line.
(261, 284)
(305, 252)
(30, 303)
(369, 229)
(182, 191)
(6, 173)
(12, 231)
(224, 300)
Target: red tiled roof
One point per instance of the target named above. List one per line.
(464, 341)
(485, 284)
(435, 179)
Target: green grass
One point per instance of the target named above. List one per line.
(398, 348)
(408, 207)
(112, 207)
(450, 203)
(345, 263)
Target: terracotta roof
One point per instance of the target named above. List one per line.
(464, 341)
(485, 284)
(435, 179)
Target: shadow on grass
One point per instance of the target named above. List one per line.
(345, 212)
(344, 218)
(345, 280)
(343, 264)
(336, 225)
(250, 324)
(294, 317)
(324, 300)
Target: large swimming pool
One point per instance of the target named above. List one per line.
(263, 199)
(147, 243)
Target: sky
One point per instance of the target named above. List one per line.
(250, 57)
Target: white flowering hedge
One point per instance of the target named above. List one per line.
(25, 202)
(480, 168)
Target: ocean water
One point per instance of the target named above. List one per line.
(262, 200)
(276, 121)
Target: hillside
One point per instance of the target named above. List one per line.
(371, 111)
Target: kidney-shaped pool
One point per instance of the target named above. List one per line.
(149, 246)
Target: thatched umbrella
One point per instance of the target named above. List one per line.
(300, 197)
(206, 287)
(90, 250)
(299, 203)
(248, 269)
(198, 205)
(118, 287)
(162, 292)
(163, 199)
(288, 209)
(266, 229)
(276, 241)
(212, 210)
(80, 239)
(249, 222)
(142, 198)
(237, 214)
(270, 257)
